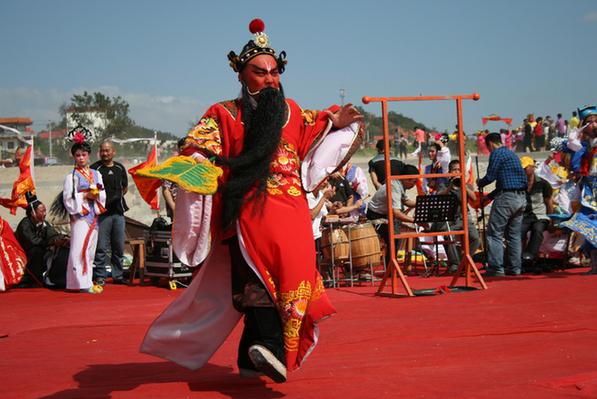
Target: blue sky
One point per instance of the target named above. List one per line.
(168, 59)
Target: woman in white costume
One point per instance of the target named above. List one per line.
(84, 198)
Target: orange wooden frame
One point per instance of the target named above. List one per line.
(393, 271)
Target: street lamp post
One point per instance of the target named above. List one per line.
(50, 137)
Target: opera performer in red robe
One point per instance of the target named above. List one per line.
(254, 234)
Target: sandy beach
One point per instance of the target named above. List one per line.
(49, 181)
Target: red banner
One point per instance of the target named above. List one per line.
(148, 187)
(12, 257)
(496, 118)
(23, 184)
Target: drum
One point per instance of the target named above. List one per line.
(364, 243)
(338, 238)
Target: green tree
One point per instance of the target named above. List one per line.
(374, 124)
(115, 109)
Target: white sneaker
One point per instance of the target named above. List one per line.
(266, 362)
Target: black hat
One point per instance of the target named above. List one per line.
(31, 197)
(259, 45)
(32, 202)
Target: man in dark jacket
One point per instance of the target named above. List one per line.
(111, 223)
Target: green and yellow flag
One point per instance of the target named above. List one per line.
(199, 177)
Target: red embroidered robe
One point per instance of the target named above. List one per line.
(277, 242)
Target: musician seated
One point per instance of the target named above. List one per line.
(378, 206)
(455, 188)
(534, 218)
(342, 200)
(46, 249)
(318, 201)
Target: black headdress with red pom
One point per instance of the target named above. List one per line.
(81, 137)
(259, 45)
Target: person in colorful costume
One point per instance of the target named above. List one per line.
(84, 199)
(584, 163)
(481, 146)
(12, 257)
(257, 227)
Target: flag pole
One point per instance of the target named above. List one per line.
(155, 148)
(482, 216)
(32, 162)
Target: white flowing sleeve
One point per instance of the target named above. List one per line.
(191, 240)
(361, 178)
(328, 154)
(444, 157)
(72, 203)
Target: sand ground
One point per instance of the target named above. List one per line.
(49, 181)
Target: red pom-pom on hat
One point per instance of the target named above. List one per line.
(256, 26)
(79, 138)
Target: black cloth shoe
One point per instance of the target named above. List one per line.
(262, 344)
(266, 362)
(120, 281)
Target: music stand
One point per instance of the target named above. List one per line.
(435, 209)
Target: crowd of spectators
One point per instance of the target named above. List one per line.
(558, 193)
(560, 196)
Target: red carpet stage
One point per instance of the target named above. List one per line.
(527, 337)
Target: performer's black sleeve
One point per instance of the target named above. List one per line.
(27, 236)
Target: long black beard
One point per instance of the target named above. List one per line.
(263, 130)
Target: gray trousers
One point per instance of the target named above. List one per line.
(505, 222)
(110, 243)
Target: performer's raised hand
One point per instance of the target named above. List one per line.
(344, 116)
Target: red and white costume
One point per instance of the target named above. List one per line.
(83, 225)
(275, 237)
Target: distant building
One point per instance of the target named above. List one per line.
(95, 121)
(54, 134)
(9, 140)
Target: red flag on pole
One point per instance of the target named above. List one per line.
(148, 187)
(23, 184)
